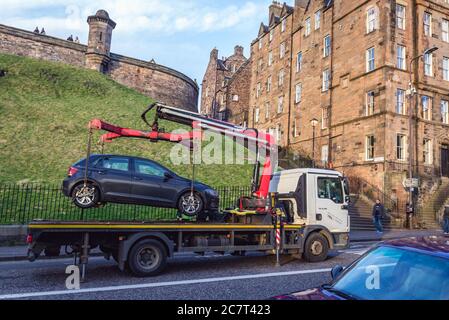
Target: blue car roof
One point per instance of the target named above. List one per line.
(433, 245)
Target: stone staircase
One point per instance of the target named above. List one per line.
(360, 212)
(432, 207)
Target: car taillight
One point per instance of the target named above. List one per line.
(72, 171)
(29, 239)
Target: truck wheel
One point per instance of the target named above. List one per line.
(316, 248)
(85, 197)
(52, 251)
(147, 258)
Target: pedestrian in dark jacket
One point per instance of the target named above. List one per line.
(446, 220)
(378, 213)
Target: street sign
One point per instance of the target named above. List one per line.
(411, 183)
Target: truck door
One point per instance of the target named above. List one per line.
(331, 205)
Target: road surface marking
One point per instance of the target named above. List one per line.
(161, 284)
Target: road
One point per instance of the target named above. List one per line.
(187, 277)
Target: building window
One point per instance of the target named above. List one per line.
(299, 62)
(278, 133)
(307, 28)
(370, 60)
(298, 93)
(260, 44)
(427, 152)
(446, 68)
(325, 155)
(260, 64)
(369, 103)
(428, 65)
(327, 46)
(258, 90)
(235, 98)
(207, 92)
(401, 62)
(400, 102)
(400, 16)
(326, 80)
(269, 84)
(427, 24)
(270, 58)
(267, 110)
(284, 25)
(317, 20)
(271, 35)
(257, 115)
(295, 128)
(445, 30)
(281, 78)
(371, 20)
(369, 148)
(426, 103)
(280, 104)
(282, 50)
(324, 118)
(400, 147)
(445, 111)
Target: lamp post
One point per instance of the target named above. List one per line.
(314, 122)
(411, 92)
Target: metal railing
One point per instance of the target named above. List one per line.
(20, 204)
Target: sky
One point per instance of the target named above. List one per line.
(177, 33)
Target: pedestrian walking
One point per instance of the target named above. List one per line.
(446, 220)
(378, 213)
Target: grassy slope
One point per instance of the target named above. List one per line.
(44, 111)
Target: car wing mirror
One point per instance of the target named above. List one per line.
(336, 272)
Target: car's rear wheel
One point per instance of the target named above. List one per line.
(190, 204)
(86, 197)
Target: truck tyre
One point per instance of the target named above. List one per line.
(316, 248)
(52, 251)
(147, 258)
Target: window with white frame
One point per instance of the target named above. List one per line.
(207, 92)
(295, 128)
(427, 21)
(428, 65)
(369, 103)
(235, 98)
(298, 93)
(324, 118)
(426, 103)
(271, 35)
(258, 90)
(269, 81)
(400, 147)
(327, 46)
(446, 68)
(445, 111)
(270, 58)
(282, 50)
(400, 102)
(284, 25)
(307, 27)
(445, 30)
(267, 110)
(281, 78)
(325, 154)
(278, 133)
(326, 79)
(257, 115)
(400, 61)
(427, 152)
(317, 20)
(260, 44)
(280, 104)
(260, 64)
(400, 16)
(371, 20)
(370, 60)
(299, 62)
(369, 148)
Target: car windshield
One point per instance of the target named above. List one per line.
(389, 273)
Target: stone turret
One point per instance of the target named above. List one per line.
(99, 44)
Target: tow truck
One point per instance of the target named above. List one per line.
(300, 212)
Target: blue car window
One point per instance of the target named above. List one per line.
(149, 168)
(120, 164)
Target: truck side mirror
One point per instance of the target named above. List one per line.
(348, 199)
(336, 272)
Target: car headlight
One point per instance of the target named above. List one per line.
(212, 193)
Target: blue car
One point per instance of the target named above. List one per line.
(132, 180)
(406, 269)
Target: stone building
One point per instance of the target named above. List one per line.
(217, 96)
(344, 66)
(158, 82)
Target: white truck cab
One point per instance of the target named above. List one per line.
(314, 197)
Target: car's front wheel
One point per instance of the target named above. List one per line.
(190, 204)
(86, 197)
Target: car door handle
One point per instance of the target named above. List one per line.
(101, 172)
(137, 178)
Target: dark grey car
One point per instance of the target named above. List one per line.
(132, 180)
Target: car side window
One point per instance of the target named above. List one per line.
(330, 188)
(120, 164)
(149, 168)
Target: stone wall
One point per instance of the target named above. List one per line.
(238, 93)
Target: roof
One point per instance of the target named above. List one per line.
(434, 245)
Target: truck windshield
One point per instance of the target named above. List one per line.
(389, 273)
